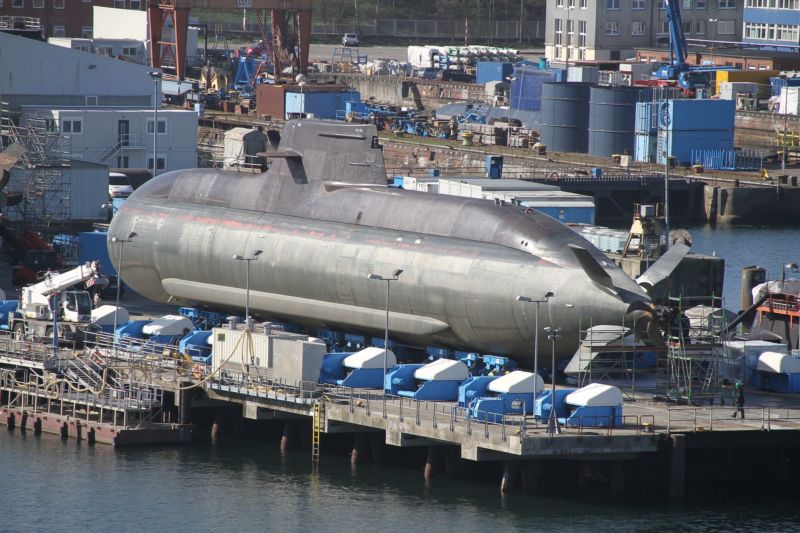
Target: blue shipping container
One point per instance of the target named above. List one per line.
(322, 104)
(526, 88)
(93, 247)
(493, 71)
(644, 149)
(680, 144)
(683, 115)
(646, 117)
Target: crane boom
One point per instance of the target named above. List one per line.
(58, 282)
(677, 38)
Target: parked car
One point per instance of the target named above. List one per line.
(119, 186)
(350, 39)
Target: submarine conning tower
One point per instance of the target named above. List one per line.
(319, 151)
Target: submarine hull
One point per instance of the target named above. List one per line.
(464, 261)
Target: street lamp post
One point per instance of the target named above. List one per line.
(156, 76)
(552, 424)
(395, 277)
(713, 36)
(248, 260)
(525, 299)
(131, 236)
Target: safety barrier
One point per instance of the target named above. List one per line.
(682, 420)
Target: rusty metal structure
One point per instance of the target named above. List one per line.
(169, 21)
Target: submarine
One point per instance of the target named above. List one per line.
(321, 223)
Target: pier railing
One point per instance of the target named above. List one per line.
(684, 419)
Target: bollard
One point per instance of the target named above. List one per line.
(11, 422)
(37, 426)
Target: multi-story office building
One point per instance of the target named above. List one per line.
(773, 23)
(612, 29)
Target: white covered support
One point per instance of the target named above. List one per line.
(595, 395)
(778, 363)
(443, 370)
(104, 315)
(517, 381)
(168, 325)
(371, 357)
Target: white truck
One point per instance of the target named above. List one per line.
(36, 315)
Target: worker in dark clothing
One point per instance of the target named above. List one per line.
(739, 400)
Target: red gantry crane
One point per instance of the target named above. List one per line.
(291, 29)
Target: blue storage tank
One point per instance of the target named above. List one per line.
(322, 104)
(525, 92)
(488, 71)
(565, 116)
(612, 117)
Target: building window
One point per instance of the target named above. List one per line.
(559, 36)
(786, 32)
(727, 4)
(726, 27)
(124, 162)
(559, 3)
(86, 32)
(17, 3)
(570, 32)
(104, 51)
(38, 4)
(637, 27)
(136, 4)
(612, 4)
(637, 5)
(612, 28)
(162, 126)
(700, 27)
(664, 28)
(789, 4)
(58, 4)
(584, 4)
(58, 31)
(582, 34)
(687, 26)
(701, 4)
(686, 4)
(571, 4)
(73, 126)
(161, 162)
(130, 51)
(91, 100)
(119, 4)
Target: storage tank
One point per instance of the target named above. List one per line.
(565, 116)
(612, 120)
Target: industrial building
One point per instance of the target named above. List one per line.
(122, 137)
(65, 18)
(57, 76)
(613, 29)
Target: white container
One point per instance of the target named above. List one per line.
(729, 90)
(790, 101)
(583, 74)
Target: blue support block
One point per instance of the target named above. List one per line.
(543, 404)
(6, 307)
(363, 378)
(770, 381)
(400, 378)
(196, 346)
(131, 329)
(494, 408)
(332, 369)
(434, 391)
(473, 388)
(598, 417)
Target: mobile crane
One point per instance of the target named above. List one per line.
(50, 304)
(688, 78)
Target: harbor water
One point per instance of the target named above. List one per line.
(745, 246)
(55, 485)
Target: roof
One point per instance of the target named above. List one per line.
(371, 357)
(168, 325)
(517, 381)
(503, 184)
(443, 370)
(778, 363)
(595, 395)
